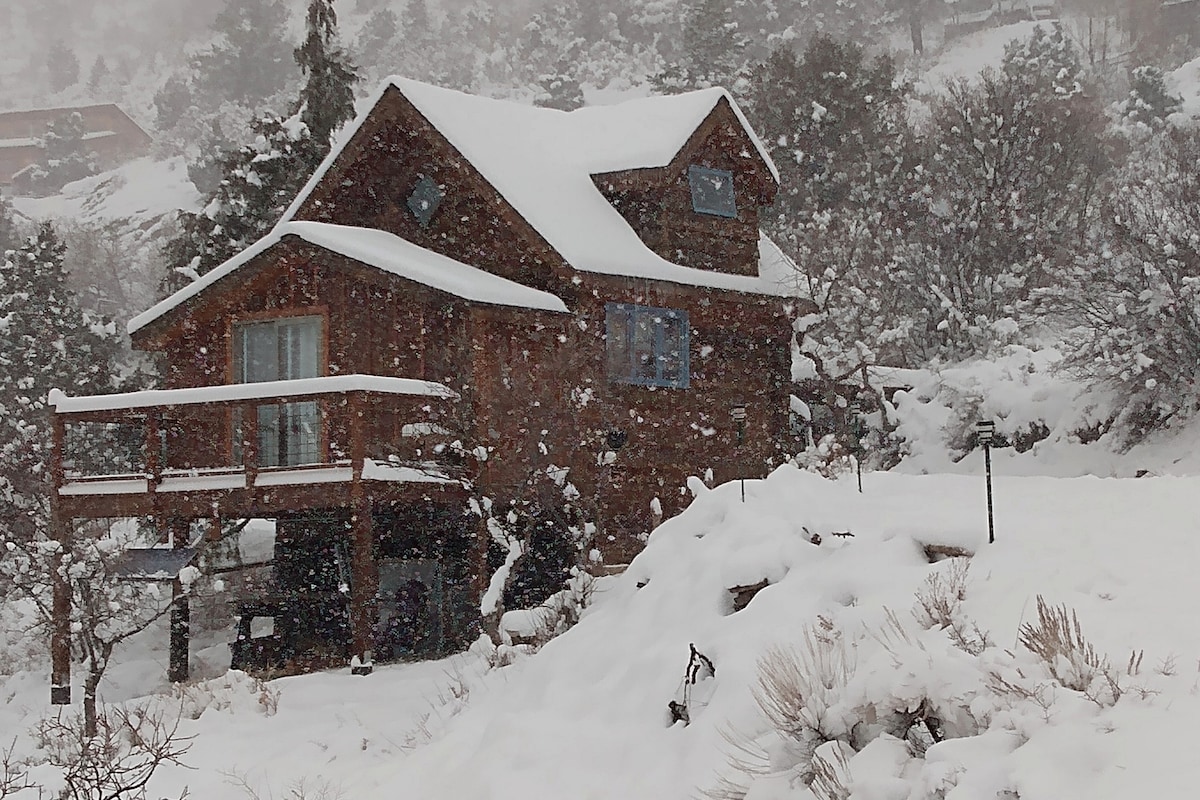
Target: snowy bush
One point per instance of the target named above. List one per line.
(1132, 299)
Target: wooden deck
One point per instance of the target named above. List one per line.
(380, 441)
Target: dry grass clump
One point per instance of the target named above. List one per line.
(1057, 639)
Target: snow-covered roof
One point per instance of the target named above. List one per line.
(542, 160)
(381, 250)
(64, 404)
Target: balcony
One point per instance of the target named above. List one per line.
(255, 449)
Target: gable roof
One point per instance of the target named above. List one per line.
(379, 249)
(542, 161)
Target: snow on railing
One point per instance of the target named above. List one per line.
(233, 393)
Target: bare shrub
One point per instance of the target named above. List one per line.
(119, 760)
(14, 776)
(939, 605)
(300, 789)
(1057, 638)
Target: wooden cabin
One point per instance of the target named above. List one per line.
(467, 293)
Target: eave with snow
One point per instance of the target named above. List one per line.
(466, 292)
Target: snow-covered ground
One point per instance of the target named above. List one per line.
(587, 716)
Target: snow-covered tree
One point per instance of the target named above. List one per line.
(327, 99)
(1132, 297)
(46, 342)
(99, 75)
(259, 180)
(8, 227)
(834, 122)
(712, 51)
(63, 66)
(249, 60)
(106, 608)
(378, 40)
(1013, 185)
(1149, 102)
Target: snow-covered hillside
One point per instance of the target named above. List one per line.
(588, 715)
(116, 223)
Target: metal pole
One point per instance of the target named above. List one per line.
(987, 460)
(858, 467)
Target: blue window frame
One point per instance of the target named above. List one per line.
(424, 201)
(712, 191)
(647, 346)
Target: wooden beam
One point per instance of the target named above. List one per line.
(364, 574)
(60, 609)
(177, 666)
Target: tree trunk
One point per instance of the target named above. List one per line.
(916, 30)
(89, 700)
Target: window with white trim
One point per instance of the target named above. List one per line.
(647, 346)
(279, 350)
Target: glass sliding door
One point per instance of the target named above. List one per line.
(289, 434)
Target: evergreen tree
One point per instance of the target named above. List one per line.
(172, 101)
(63, 66)
(327, 99)
(98, 78)
(417, 23)
(260, 179)
(46, 342)
(1149, 103)
(835, 125)
(712, 53)
(376, 43)
(8, 228)
(249, 61)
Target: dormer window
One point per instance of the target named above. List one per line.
(712, 191)
(424, 201)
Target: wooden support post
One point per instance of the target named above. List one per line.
(177, 668)
(60, 632)
(250, 455)
(364, 577)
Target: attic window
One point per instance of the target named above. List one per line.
(424, 201)
(712, 191)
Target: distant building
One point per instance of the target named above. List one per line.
(110, 134)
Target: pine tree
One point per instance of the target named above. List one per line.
(8, 228)
(713, 50)
(260, 179)
(46, 342)
(835, 124)
(376, 43)
(249, 61)
(1149, 103)
(327, 99)
(417, 24)
(98, 77)
(63, 65)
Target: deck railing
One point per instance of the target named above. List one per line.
(356, 427)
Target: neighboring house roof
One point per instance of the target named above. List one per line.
(379, 249)
(542, 161)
